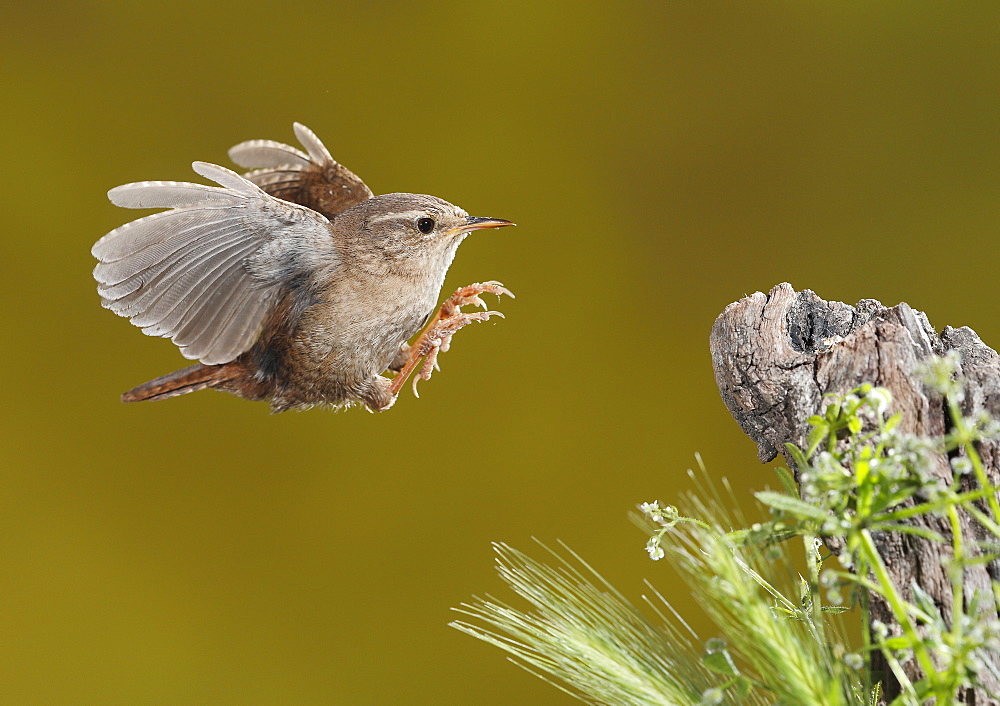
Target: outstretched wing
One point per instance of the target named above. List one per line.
(206, 272)
(314, 180)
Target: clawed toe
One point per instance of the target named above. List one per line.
(470, 296)
(439, 341)
(436, 338)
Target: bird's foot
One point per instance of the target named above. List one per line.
(436, 337)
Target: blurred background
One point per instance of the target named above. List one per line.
(662, 159)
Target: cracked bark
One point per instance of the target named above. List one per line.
(775, 357)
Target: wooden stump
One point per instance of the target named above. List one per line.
(777, 354)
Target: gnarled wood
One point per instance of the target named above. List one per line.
(777, 355)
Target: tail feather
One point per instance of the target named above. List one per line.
(180, 382)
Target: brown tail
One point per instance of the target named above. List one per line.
(180, 382)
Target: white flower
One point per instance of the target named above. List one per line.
(961, 465)
(880, 398)
(653, 511)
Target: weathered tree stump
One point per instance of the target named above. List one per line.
(775, 357)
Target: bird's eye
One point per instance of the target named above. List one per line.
(425, 225)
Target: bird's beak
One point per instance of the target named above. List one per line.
(476, 223)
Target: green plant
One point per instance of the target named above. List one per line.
(781, 641)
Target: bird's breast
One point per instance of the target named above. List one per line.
(356, 326)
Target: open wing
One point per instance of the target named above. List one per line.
(206, 272)
(313, 180)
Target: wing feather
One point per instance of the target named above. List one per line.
(216, 326)
(232, 322)
(165, 194)
(312, 179)
(199, 323)
(161, 282)
(191, 273)
(268, 153)
(166, 292)
(317, 150)
(150, 241)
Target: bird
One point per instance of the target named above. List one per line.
(291, 283)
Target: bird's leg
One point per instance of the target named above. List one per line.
(436, 337)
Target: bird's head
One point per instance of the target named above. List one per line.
(410, 228)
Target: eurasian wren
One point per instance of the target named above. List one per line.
(293, 283)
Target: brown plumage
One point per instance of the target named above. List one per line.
(292, 284)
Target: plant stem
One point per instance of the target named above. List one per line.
(955, 572)
(896, 604)
(813, 562)
(962, 431)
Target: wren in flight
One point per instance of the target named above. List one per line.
(292, 283)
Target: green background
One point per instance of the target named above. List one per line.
(662, 159)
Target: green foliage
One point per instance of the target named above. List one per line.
(591, 639)
(858, 474)
(875, 478)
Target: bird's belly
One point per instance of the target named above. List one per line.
(336, 348)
